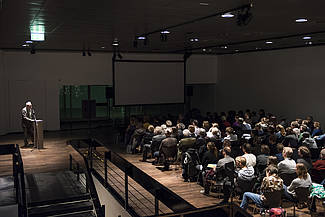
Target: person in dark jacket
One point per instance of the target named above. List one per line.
(304, 157)
(146, 142)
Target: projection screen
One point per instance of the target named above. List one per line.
(141, 83)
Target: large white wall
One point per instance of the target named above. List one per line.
(285, 82)
(39, 77)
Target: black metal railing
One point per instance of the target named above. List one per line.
(18, 175)
(139, 193)
(84, 176)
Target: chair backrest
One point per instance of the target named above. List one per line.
(288, 177)
(302, 194)
(230, 170)
(246, 186)
(273, 199)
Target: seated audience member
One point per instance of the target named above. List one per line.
(279, 155)
(210, 156)
(303, 180)
(206, 126)
(317, 130)
(250, 158)
(146, 121)
(306, 140)
(246, 125)
(271, 183)
(185, 143)
(244, 174)
(129, 131)
(295, 128)
(180, 128)
(169, 123)
(230, 135)
(146, 141)
(304, 157)
(261, 160)
(280, 133)
(156, 139)
(291, 139)
(319, 168)
(175, 133)
(137, 136)
(226, 151)
(168, 148)
(320, 164)
(201, 139)
(195, 123)
(192, 130)
(288, 165)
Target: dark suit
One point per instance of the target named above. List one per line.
(168, 147)
(27, 118)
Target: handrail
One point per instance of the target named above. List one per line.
(18, 174)
(159, 191)
(100, 210)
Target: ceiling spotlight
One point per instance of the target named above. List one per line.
(102, 47)
(306, 38)
(115, 42)
(25, 45)
(142, 38)
(29, 42)
(224, 47)
(268, 42)
(204, 49)
(204, 4)
(244, 16)
(301, 20)
(194, 40)
(237, 50)
(227, 15)
(309, 43)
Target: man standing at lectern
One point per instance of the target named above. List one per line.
(27, 122)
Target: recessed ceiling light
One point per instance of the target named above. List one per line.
(301, 20)
(268, 42)
(224, 47)
(103, 47)
(141, 37)
(194, 39)
(165, 32)
(309, 42)
(227, 15)
(236, 50)
(204, 4)
(25, 45)
(306, 38)
(204, 49)
(29, 42)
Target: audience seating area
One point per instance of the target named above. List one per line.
(258, 159)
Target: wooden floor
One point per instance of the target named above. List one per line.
(56, 154)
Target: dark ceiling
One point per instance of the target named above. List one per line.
(80, 24)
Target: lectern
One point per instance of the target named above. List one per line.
(38, 134)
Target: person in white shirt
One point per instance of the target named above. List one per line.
(230, 135)
(250, 158)
(27, 118)
(288, 165)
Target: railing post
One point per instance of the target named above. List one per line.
(87, 183)
(156, 203)
(126, 183)
(70, 162)
(105, 169)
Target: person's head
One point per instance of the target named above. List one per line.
(191, 128)
(294, 124)
(174, 130)
(322, 154)
(215, 125)
(305, 135)
(272, 160)
(271, 171)
(240, 120)
(265, 149)
(215, 131)
(202, 132)
(169, 123)
(304, 152)
(227, 143)
(229, 130)
(240, 162)
(28, 104)
(301, 171)
(158, 130)
(195, 123)
(279, 147)
(186, 133)
(150, 128)
(287, 152)
(226, 151)
(247, 148)
(316, 124)
(180, 126)
(205, 124)
(168, 132)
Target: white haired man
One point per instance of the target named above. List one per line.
(27, 118)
